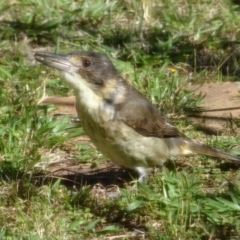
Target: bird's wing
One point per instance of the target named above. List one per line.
(140, 114)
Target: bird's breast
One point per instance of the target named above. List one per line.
(95, 115)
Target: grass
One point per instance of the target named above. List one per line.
(162, 47)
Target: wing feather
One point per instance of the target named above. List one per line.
(141, 115)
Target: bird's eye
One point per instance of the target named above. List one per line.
(86, 63)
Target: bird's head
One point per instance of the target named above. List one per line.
(95, 69)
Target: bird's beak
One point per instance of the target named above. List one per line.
(58, 61)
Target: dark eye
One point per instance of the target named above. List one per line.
(86, 63)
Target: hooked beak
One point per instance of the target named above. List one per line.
(58, 61)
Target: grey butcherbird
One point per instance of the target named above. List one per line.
(123, 124)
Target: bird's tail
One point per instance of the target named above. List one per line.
(213, 152)
(186, 147)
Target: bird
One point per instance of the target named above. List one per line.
(120, 121)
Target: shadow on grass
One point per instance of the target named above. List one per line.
(109, 175)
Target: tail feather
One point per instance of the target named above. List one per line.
(209, 151)
(187, 147)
